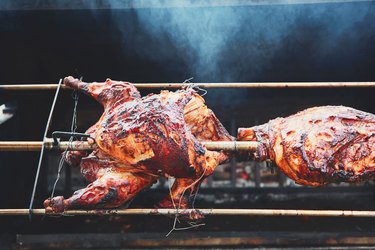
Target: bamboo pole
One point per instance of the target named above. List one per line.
(85, 146)
(211, 85)
(228, 212)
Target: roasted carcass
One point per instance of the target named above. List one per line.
(319, 145)
(140, 139)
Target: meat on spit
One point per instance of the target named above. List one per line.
(318, 145)
(140, 139)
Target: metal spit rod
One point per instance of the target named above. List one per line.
(212, 85)
(85, 146)
(239, 212)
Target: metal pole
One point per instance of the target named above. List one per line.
(211, 85)
(229, 212)
(85, 146)
(42, 146)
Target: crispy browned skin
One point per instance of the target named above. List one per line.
(319, 145)
(141, 139)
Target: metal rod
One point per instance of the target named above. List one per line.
(85, 146)
(31, 87)
(21, 145)
(238, 212)
(42, 146)
(212, 85)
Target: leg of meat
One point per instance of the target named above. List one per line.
(204, 126)
(113, 184)
(111, 190)
(106, 93)
(319, 145)
(181, 194)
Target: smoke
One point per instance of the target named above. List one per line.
(224, 41)
(240, 42)
(200, 35)
(289, 42)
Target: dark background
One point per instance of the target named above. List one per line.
(266, 43)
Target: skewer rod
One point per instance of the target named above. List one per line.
(20, 146)
(231, 145)
(31, 87)
(238, 212)
(85, 146)
(211, 85)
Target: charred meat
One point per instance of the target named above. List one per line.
(140, 139)
(319, 145)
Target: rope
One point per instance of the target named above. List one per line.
(190, 85)
(43, 147)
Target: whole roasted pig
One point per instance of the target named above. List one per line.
(140, 139)
(318, 145)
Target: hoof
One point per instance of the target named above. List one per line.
(54, 205)
(194, 215)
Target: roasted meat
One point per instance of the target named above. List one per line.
(319, 145)
(140, 139)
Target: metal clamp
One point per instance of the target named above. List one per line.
(62, 134)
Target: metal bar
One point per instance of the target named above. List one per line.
(31, 87)
(212, 85)
(21, 145)
(231, 212)
(85, 146)
(43, 147)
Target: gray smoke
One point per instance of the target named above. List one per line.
(228, 41)
(239, 40)
(241, 43)
(201, 35)
(221, 40)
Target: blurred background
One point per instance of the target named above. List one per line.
(171, 41)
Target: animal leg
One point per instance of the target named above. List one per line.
(182, 196)
(110, 190)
